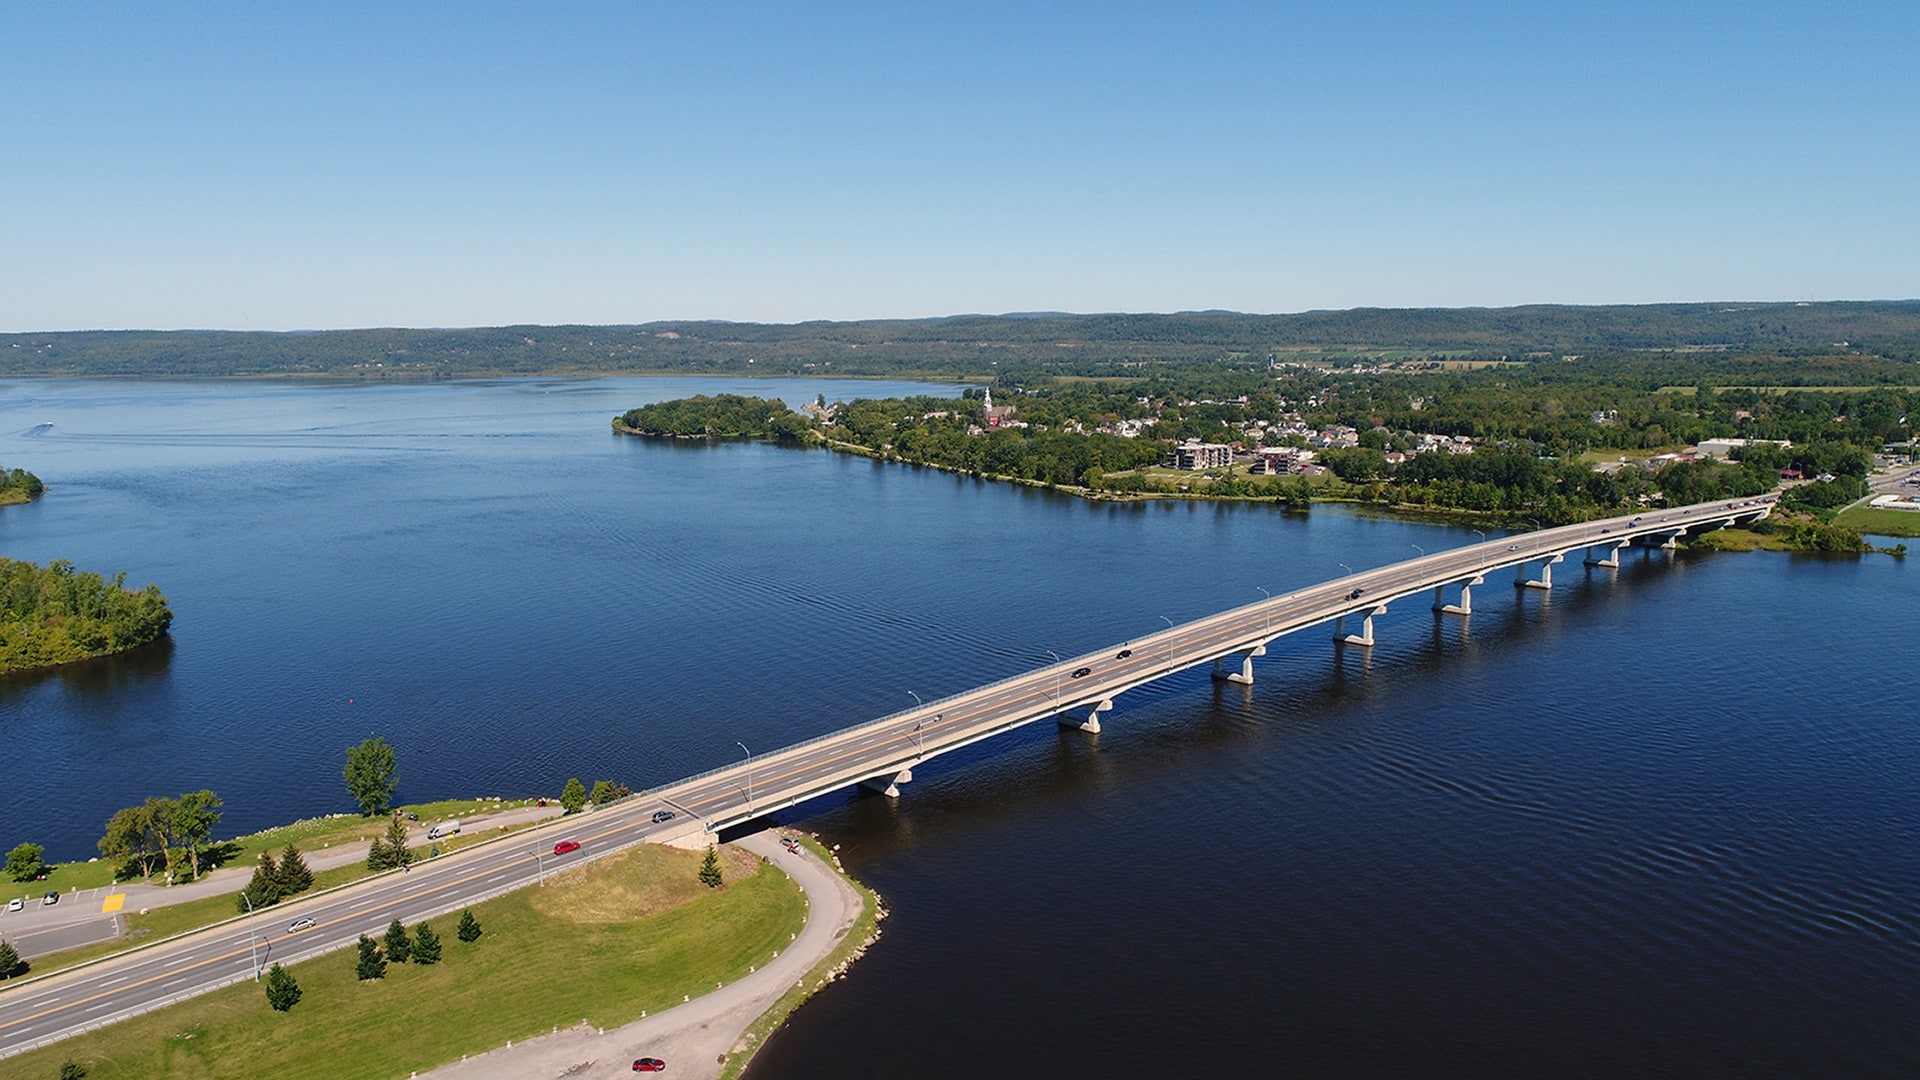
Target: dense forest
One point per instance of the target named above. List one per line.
(1831, 343)
(18, 486)
(55, 614)
(723, 416)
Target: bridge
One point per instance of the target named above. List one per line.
(880, 754)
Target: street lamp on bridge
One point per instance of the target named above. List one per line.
(1056, 678)
(749, 753)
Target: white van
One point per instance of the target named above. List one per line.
(444, 828)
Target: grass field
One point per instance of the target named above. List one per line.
(313, 834)
(1877, 522)
(601, 943)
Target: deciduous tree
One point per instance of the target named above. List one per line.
(194, 816)
(24, 862)
(372, 775)
(573, 796)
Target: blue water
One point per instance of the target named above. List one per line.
(1661, 822)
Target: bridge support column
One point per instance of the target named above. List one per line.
(1245, 675)
(1465, 606)
(1091, 723)
(1365, 636)
(1545, 580)
(1611, 560)
(888, 785)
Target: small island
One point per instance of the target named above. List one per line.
(55, 614)
(18, 486)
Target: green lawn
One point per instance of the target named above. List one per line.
(601, 943)
(1878, 522)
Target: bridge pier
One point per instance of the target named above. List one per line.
(1465, 606)
(1245, 675)
(888, 784)
(1612, 559)
(1365, 636)
(1092, 722)
(1545, 580)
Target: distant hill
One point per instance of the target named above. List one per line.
(978, 345)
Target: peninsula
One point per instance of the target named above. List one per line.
(55, 614)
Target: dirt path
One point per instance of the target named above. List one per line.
(692, 1038)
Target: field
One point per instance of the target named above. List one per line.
(602, 943)
(1877, 522)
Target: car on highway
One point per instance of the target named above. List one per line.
(1079, 673)
(662, 815)
(649, 1065)
(1123, 654)
(1513, 547)
(50, 898)
(565, 847)
(298, 925)
(16, 904)
(1355, 594)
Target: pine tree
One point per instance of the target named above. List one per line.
(282, 992)
(9, 959)
(469, 929)
(264, 889)
(294, 876)
(371, 965)
(573, 796)
(379, 856)
(426, 945)
(399, 947)
(710, 869)
(397, 842)
(602, 793)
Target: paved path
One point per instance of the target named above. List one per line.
(693, 1037)
(77, 919)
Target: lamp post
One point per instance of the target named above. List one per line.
(1418, 548)
(916, 726)
(1056, 678)
(1345, 567)
(1170, 626)
(539, 864)
(1266, 617)
(743, 746)
(252, 948)
(1481, 535)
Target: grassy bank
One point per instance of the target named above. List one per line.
(1878, 522)
(601, 943)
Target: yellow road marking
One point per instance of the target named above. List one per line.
(113, 903)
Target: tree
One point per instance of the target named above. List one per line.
(9, 959)
(370, 964)
(283, 992)
(160, 834)
(24, 862)
(397, 945)
(390, 850)
(294, 876)
(372, 776)
(573, 796)
(469, 929)
(710, 869)
(426, 945)
(128, 836)
(264, 889)
(602, 793)
(194, 817)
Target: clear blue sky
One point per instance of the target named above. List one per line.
(329, 165)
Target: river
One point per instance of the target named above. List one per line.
(1663, 821)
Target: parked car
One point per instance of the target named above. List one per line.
(16, 904)
(50, 898)
(1123, 654)
(1081, 672)
(662, 815)
(649, 1065)
(565, 847)
(298, 925)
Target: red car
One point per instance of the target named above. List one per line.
(649, 1065)
(565, 846)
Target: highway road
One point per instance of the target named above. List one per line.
(883, 749)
